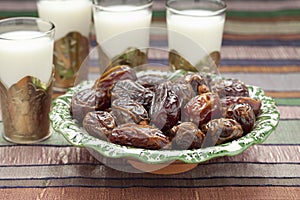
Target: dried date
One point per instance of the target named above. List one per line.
(88, 100)
(150, 81)
(197, 82)
(114, 74)
(254, 103)
(202, 108)
(99, 124)
(186, 136)
(130, 90)
(141, 136)
(128, 111)
(244, 114)
(229, 87)
(184, 91)
(165, 108)
(218, 131)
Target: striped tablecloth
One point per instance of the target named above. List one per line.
(261, 46)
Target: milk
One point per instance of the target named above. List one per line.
(23, 53)
(67, 16)
(120, 19)
(200, 26)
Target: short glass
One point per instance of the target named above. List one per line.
(26, 77)
(114, 17)
(72, 20)
(202, 21)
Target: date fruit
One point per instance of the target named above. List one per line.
(141, 136)
(184, 91)
(128, 111)
(229, 87)
(186, 136)
(218, 131)
(130, 90)
(99, 124)
(197, 82)
(88, 100)
(150, 81)
(114, 74)
(165, 108)
(254, 103)
(242, 113)
(202, 108)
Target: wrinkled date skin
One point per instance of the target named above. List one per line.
(99, 124)
(112, 75)
(128, 111)
(150, 81)
(197, 82)
(218, 131)
(186, 136)
(243, 114)
(141, 136)
(201, 109)
(165, 107)
(130, 90)
(88, 100)
(254, 103)
(229, 87)
(184, 91)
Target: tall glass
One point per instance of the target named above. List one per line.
(72, 20)
(26, 76)
(113, 17)
(202, 21)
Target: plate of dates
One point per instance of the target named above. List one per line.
(169, 118)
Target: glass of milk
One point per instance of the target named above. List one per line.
(113, 18)
(72, 20)
(26, 77)
(202, 21)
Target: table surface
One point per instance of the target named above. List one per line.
(261, 46)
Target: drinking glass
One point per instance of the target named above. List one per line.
(72, 20)
(26, 76)
(116, 17)
(202, 21)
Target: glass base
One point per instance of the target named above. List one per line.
(25, 140)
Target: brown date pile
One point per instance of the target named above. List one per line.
(152, 112)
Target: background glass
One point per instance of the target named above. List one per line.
(202, 21)
(117, 16)
(72, 19)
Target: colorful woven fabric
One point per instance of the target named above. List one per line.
(261, 46)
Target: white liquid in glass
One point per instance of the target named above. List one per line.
(67, 16)
(206, 31)
(121, 19)
(22, 54)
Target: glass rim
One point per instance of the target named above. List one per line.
(221, 10)
(148, 3)
(42, 33)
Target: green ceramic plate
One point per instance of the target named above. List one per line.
(63, 123)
